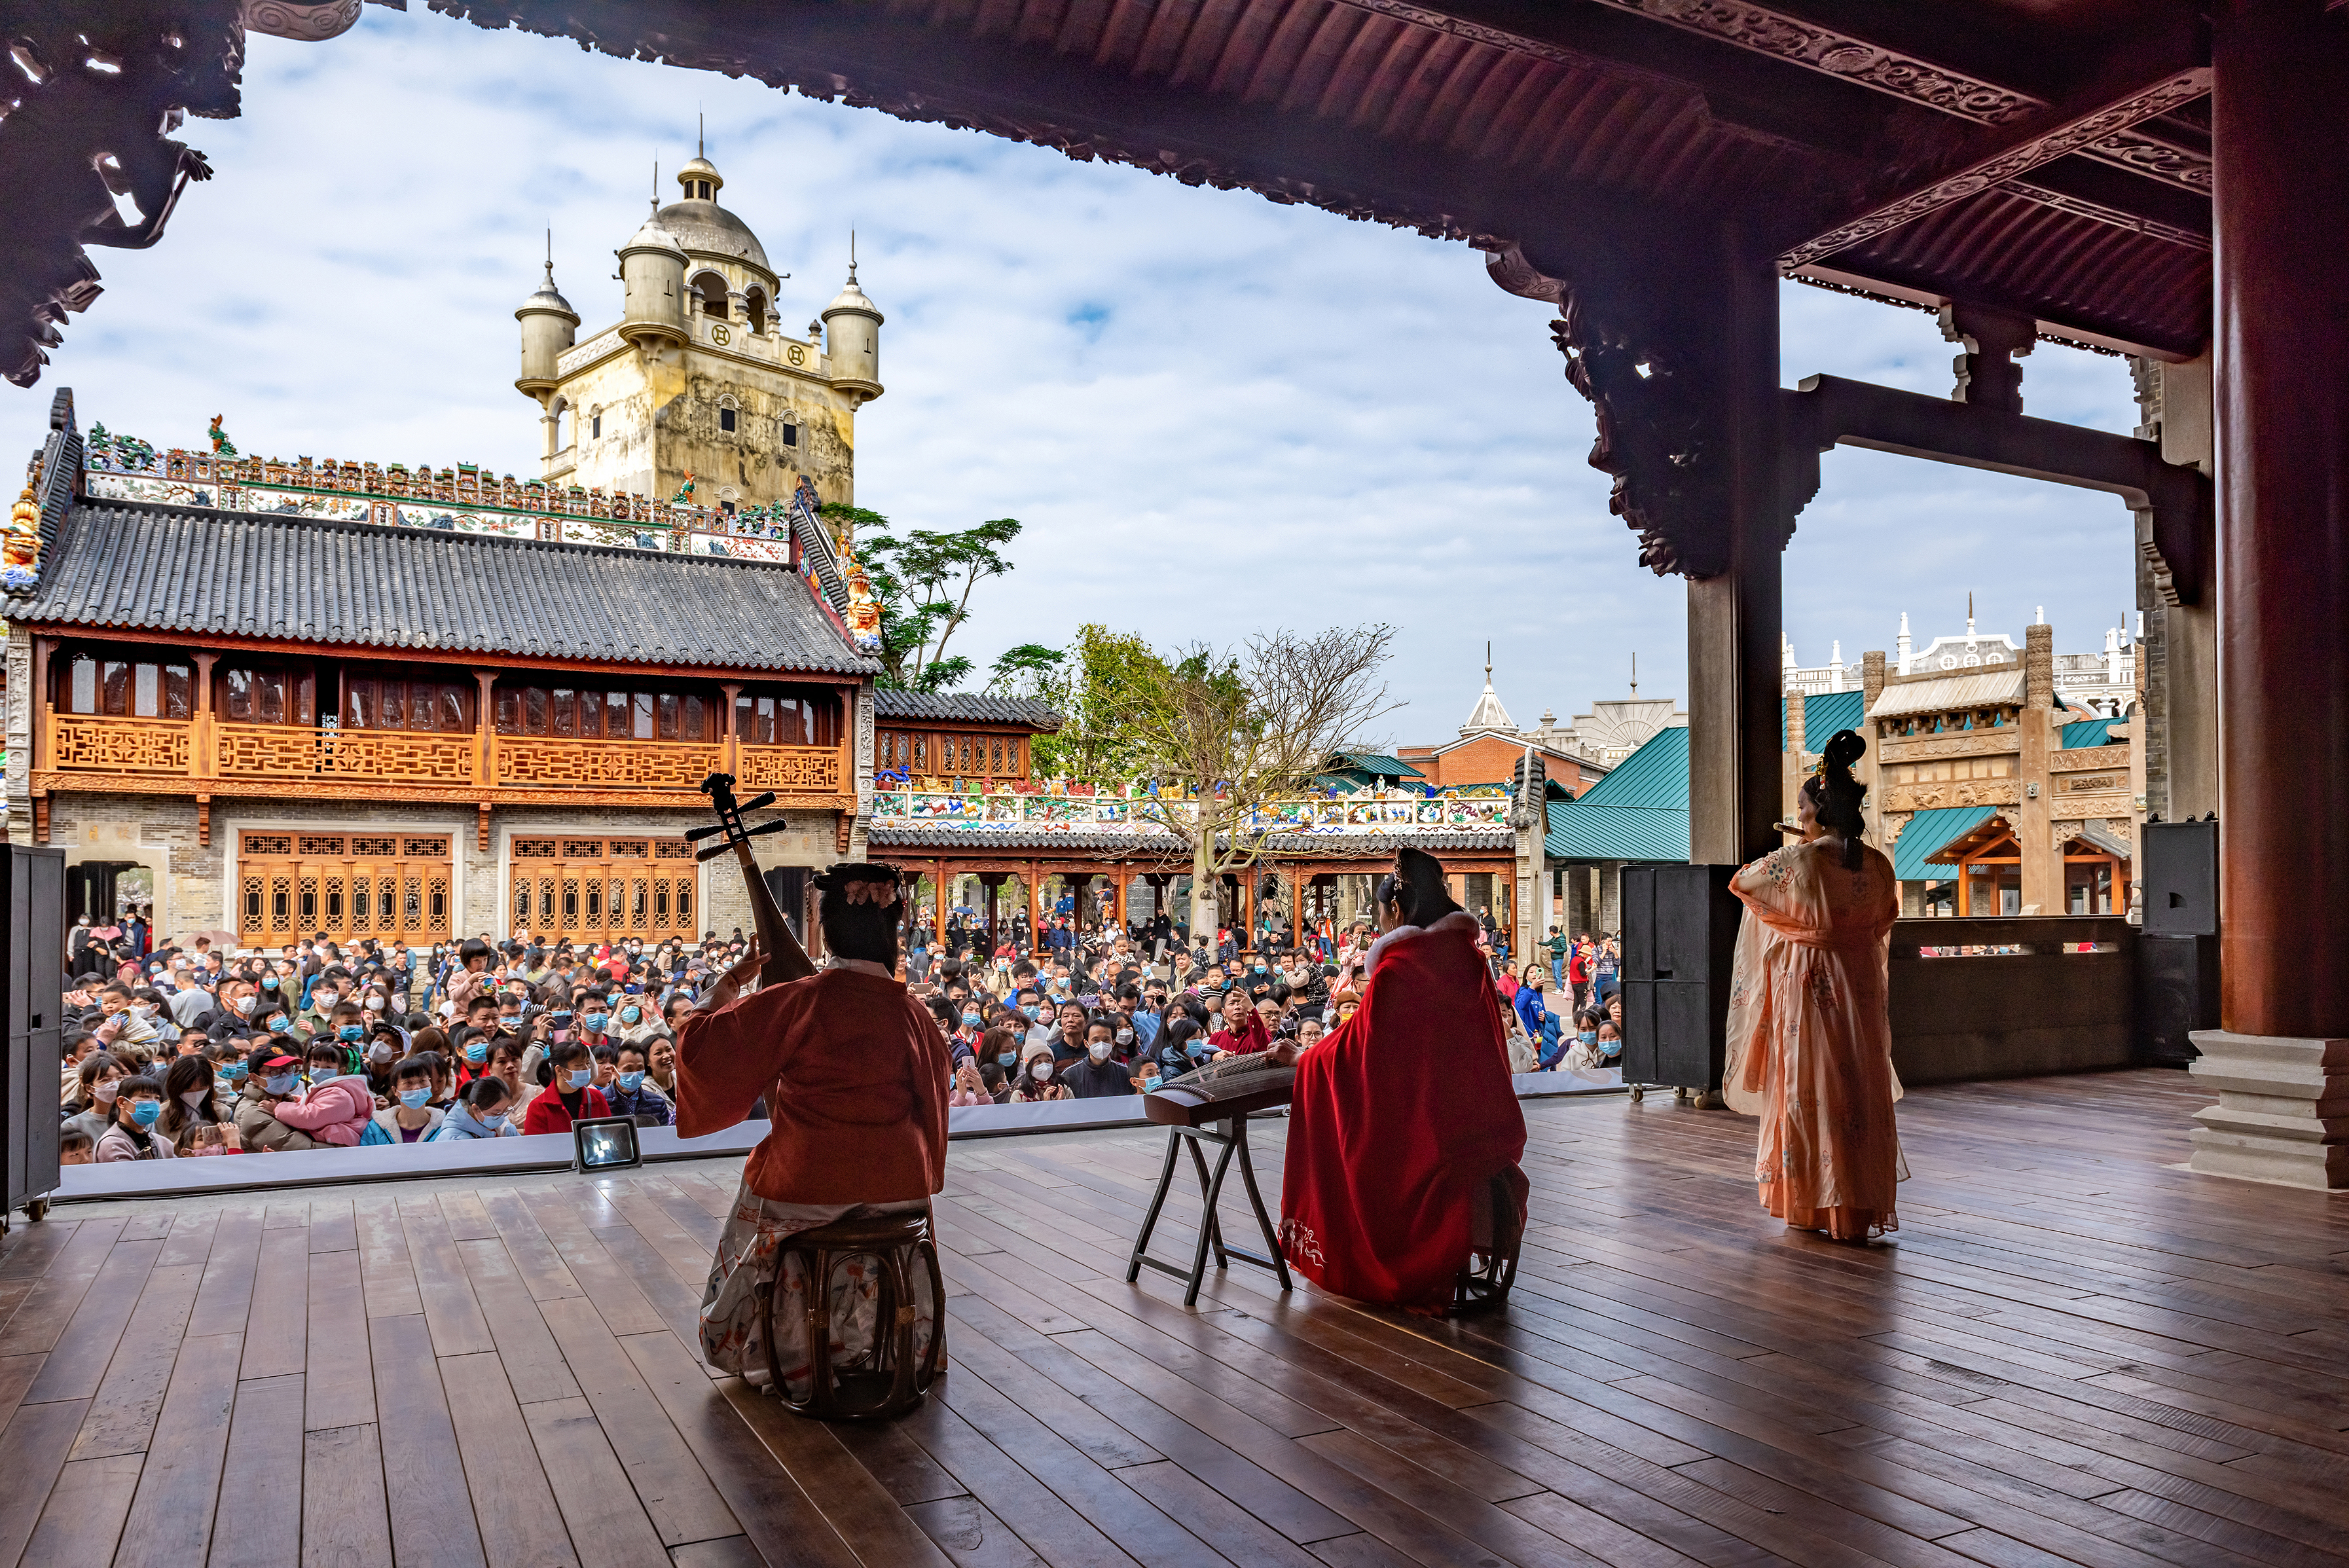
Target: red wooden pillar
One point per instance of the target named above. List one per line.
(2281, 111)
(938, 915)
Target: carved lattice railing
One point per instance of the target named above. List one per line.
(80, 744)
(788, 770)
(387, 756)
(602, 764)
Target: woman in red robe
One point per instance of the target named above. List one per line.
(1405, 1114)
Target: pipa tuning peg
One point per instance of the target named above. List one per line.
(758, 801)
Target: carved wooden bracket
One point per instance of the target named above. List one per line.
(1644, 346)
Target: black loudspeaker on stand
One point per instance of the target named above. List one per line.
(2178, 948)
(1680, 934)
(33, 972)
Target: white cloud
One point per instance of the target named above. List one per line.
(1214, 413)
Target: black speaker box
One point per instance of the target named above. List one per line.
(33, 974)
(2181, 879)
(1680, 933)
(2177, 991)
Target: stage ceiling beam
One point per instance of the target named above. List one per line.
(2006, 154)
(1913, 78)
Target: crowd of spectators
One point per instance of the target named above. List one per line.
(189, 1051)
(192, 1051)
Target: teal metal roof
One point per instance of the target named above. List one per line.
(1824, 713)
(1655, 774)
(1581, 831)
(1638, 812)
(1927, 833)
(2088, 732)
(1384, 766)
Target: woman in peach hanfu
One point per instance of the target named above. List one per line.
(1810, 1042)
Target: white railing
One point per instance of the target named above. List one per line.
(1049, 811)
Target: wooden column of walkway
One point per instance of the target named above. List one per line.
(2073, 1354)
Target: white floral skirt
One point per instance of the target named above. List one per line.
(732, 1338)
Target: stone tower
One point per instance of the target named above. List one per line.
(698, 376)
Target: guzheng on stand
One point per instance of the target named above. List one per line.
(1214, 1104)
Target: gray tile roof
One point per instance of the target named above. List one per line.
(962, 708)
(155, 569)
(1126, 845)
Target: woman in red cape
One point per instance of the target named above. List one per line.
(1404, 1115)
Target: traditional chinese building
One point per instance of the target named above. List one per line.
(354, 699)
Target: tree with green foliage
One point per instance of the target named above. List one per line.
(924, 583)
(1095, 685)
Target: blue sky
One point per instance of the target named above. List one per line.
(1214, 414)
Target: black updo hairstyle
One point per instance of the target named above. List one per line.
(1836, 794)
(867, 928)
(1417, 886)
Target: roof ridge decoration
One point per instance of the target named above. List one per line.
(135, 566)
(466, 499)
(50, 487)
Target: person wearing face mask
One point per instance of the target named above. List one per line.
(571, 1095)
(337, 1107)
(92, 1108)
(1100, 1074)
(411, 1117)
(481, 1111)
(636, 1022)
(138, 1106)
(274, 1077)
(632, 1094)
(1039, 1079)
(190, 1102)
(232, 1021)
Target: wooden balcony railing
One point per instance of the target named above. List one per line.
(202, 750)
(120, 745)
(530, 764)
(788, 770)
(390, 756)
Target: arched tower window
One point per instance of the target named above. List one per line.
(728, 419)
(562, 425)
(712, 290)
(754, 308)
(791, 430)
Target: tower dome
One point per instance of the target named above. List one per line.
(699, 223)
(851, 332)
(549, 326)
(652, 273)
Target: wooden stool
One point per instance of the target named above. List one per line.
(891, 1378)
(1492, 1266)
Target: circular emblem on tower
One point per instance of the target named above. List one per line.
(719, 336)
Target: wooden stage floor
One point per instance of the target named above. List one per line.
(2072, 1354)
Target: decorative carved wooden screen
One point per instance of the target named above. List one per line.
(296, 884)
(602, 889)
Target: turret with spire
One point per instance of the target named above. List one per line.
(1489, 716)
(852, 334)
(549, 326)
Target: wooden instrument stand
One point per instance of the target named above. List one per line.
(1194, 1113)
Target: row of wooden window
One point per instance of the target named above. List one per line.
(950, 755)
(287, 694)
